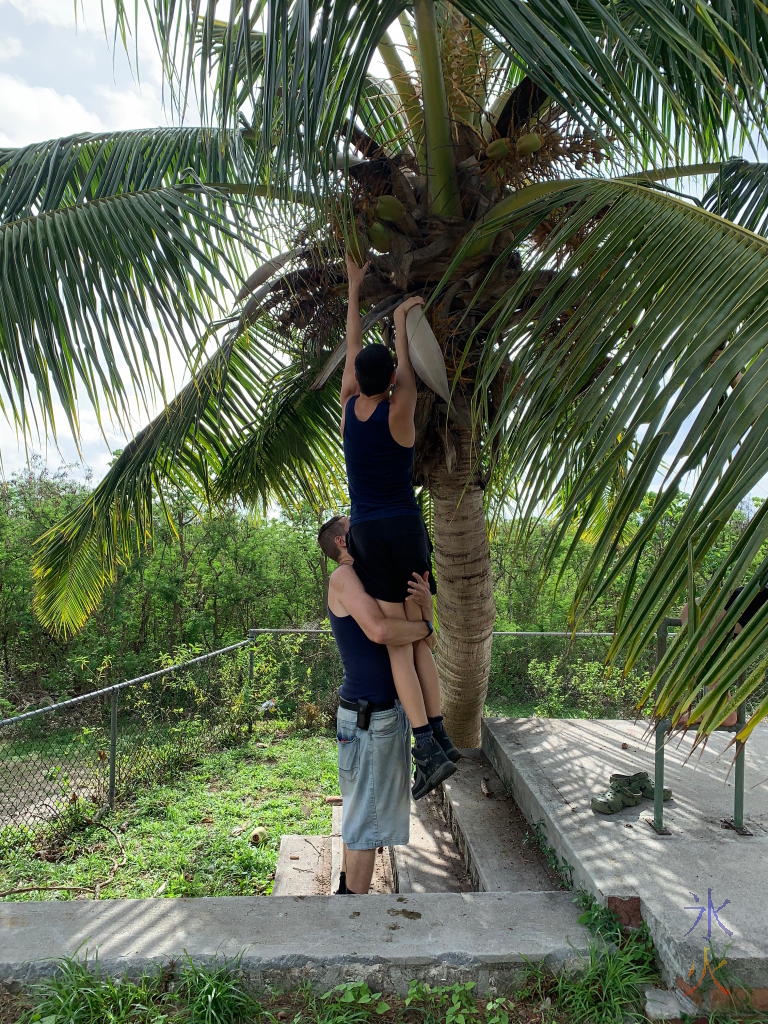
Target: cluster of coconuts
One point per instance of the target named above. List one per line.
(388, 212)
(503, 149)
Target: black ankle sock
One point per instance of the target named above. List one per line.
(422, 734)
(436, 721)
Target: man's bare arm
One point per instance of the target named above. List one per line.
(355, 276)
(349, 593)
(402, 405)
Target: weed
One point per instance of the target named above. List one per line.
(560, 868)
(78, 995)
(452, 1004)
(599, 920)
(611, 989)
(352, 1001)
(216, 995)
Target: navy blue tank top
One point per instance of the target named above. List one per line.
(367, 672)
(379, 470)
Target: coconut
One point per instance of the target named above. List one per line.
(528, 144)
(389, 208)
(499, 149)
(380, 236)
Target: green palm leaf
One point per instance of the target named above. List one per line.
(740, 193)
(99, 230)
(182, 446)
(652, 316)
(695, 73)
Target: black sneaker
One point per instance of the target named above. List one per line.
(451, 751)
(431, 768)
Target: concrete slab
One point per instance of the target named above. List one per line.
(490, 831)
(337, 846)
(691, 885)
(431, 862)
(303, 864)
(388, 941)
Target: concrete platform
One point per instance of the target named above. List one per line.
(553, 766)
(303, 866)
(388, 941)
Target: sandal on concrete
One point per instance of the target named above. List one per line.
(615, 798)
(641, 782)
(633, 781)
(647, 789)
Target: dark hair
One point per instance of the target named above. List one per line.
(327, 534)
(374, 367)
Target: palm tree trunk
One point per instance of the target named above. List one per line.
(465, 596)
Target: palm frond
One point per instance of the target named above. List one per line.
(654, 331)
(740, 193)
(294, 452)
(649, 71)
(184, 446)
(114, 249)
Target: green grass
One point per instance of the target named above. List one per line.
(191, 836)
(189, 994)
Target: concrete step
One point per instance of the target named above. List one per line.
(431, 862)
(389, 941)
(490, 831)
(337, 847)
(303, 866)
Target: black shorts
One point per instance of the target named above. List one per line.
(387, 551)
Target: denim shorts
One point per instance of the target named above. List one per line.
(374, 778)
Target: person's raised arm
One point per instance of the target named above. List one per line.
(349, 592)
(354, 338)
(402, 404)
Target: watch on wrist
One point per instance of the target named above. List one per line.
(430, 627)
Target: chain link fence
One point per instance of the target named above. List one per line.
(77, 757)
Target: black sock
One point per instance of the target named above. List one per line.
(422, 735)
(436, 721)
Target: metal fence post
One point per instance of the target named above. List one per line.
(252, 634)
(737, 821)
(112, 749)
(661, 729)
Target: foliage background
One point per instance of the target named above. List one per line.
(224, 573)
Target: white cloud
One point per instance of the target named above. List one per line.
(134, 107)
(31, 113)
(86, 16)
(10, 48)
(61, 13)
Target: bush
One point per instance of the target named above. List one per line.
(586, 689)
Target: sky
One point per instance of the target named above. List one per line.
(59, 74)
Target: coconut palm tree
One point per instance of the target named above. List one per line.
(525, 166)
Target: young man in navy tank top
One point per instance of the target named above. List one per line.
(387, 538)
(372, 730)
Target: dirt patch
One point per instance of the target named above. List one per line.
(11, 1006)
